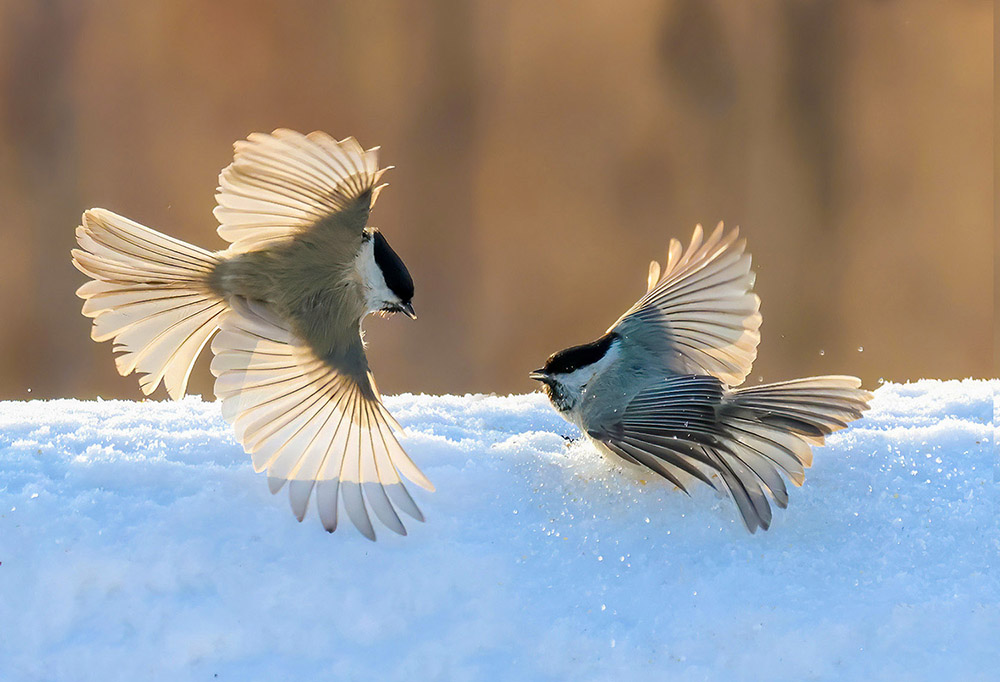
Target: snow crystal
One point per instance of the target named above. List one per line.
(140, 545)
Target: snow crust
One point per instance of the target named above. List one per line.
(136, 543)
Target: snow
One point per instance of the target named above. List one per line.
(136, 543)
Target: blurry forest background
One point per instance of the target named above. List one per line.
(545, 152)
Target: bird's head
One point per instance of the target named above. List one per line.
(387, 282)
(566, 374)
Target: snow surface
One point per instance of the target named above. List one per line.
(136, 543)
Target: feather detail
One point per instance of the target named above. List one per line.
(700, 308)
(692, 426)
(307, 424)
(284, 183)
(149, 296)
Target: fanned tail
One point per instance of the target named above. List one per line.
(773, 427)
(148, 293)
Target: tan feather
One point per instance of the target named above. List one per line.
(284, 183)
(703, 305)
(149, 295)
(305, 423)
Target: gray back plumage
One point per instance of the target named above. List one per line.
(665, 404)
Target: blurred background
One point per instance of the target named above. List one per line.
(545, 152)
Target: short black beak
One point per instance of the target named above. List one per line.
(539, 375)
(407, 309)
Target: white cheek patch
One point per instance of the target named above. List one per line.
(580, 377)
(577, 379)
(376, 292)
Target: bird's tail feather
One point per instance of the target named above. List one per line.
(773, 427)
(148, 293)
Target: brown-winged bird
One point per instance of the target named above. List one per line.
(283, 307)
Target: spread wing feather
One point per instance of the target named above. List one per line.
(284, 183)
(700, 309)
(310, 426)
(692, 426)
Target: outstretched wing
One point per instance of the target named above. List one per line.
(692, 426)
(285, 183)
(672, 428)
(665, 426)
(310, 424)
(700, 312)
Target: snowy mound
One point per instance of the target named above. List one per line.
(138, 544)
